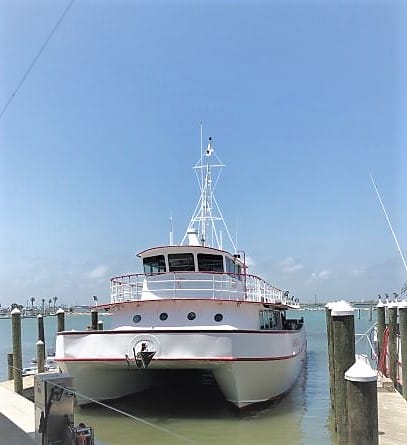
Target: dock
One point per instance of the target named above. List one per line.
(392, 418)
(17, 423)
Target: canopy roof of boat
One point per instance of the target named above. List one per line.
(190, 249)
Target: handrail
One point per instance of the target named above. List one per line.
(367, 336)
(213, 285)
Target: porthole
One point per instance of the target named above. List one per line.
(163, 316)
(218, 317)
(191, 316)
(137, 318)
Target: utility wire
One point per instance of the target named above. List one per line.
(41, 50)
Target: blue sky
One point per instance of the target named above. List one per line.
(304, 99)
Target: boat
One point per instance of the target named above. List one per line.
(50, 365)
(194, 308)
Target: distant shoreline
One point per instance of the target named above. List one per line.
(8, 316)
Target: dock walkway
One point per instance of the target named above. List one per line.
(16, 414)
(392, 418)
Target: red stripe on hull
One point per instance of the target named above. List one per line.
(200, 359)
(178, 331)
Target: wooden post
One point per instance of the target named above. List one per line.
(10, 372)
(17, 350)
(361, 393)
(100, 325)
(94, 315)
(381, 326)
(403, 340)
(41, 336)
(40, 356)
(330, 353)
(371, 312)
(393, 344)
(343, 329)
(60, 320)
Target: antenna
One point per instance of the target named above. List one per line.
(207, 218)
(388, 221)
(171, 231)
(237, 232)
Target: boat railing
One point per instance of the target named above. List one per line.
(223, 286)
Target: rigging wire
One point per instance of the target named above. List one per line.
(40, 51)
(389, 223)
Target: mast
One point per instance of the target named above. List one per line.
(207, 220)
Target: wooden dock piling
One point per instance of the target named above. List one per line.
(343, 329)
(41, 335)
(40, 356)
(403, 340)
(381, 325)
(392, 311)
(10, 372)
(60, 320)
(94, 315)
(17, 350)
(361, 393)
(330, 353)
(40, 322)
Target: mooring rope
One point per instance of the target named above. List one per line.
(124, 413)
(130, 416)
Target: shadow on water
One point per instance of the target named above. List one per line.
(199, 413)
(184, 395)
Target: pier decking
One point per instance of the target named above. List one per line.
(392, 418)
(16, 414)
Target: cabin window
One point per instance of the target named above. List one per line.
(269, 319)
(218, 318)
(233, 268)
(210, 263)
(154, 264)
(191, 316)
(137, 318)
(264, 322)
(163, 316)
(230, 266)
(181, 262)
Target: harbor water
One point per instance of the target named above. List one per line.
(197, 414)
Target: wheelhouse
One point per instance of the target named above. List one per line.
(192, 272)
(190, 259)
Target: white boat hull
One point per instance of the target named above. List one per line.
(249, 367)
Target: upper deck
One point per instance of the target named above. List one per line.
(193, 272)
(222, 286)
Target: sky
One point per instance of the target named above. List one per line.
(304, 101)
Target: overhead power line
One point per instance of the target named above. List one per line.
(34, 61)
